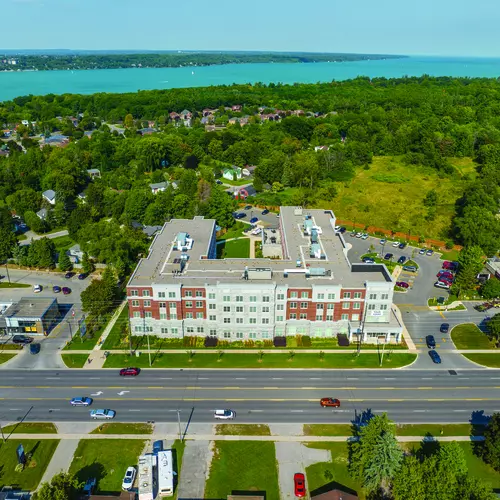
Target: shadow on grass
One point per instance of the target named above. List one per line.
(246, 493)
(95, 470)
(333, 485)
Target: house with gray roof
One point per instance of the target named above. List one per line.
(50, 196)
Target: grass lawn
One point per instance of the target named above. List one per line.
(374, 255)
(242, 430)
(14, 285)
(450, 255)
(469, 336)
(74, 360)
(234, 232)
(41, 450)
(120, 428)
(85, 344)
(436, 430)
(62, 243)
(323, 473)
(5, 357)
(327, 430)
(106, 461)
(251, 360)
(31, 428)
(491, 360)
(235, 249)
(478, 469)
(243, 465)
(21, 237)
(117, 337)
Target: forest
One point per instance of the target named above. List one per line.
(418, 155)
(42, 62)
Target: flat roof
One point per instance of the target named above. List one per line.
(30, 307)
(162, 264)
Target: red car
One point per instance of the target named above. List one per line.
(445, 279)
(129, 372)
(444, 274)
(299, 482)
(402, 284)
(331, 402)
(449, 265)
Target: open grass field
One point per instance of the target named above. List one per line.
(235, 249)
(74, 360)
(244, 466)
(251, 360)
(105, 461)
(31, 428)
(469, 336)
(242, 430)
(478, 469)
(235, 232)
(122, 428)
(486, 359)
(5, 357)
(41, 450)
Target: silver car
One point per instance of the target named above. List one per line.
(102, 414)
(224, 414)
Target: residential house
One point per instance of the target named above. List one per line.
(186, 116)
(230, 173)
(174, 117)
(94, 172)
(236, 108)
(42, 214)
(75, 254)
(244, 192)
(336, 494)
(159, 186)
(209, 112)
(214, 128)
(49, 196)
(146, 131)
(25, 123)
(271, 117)
(151, 124)
(248, 170)
(56, 140)
(321, 148)
(74, 121)
(242, 121)
(298, 112)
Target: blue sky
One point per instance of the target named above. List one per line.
(428, 27)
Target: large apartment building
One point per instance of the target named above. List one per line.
(309, 287)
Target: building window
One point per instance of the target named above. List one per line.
(135, 303)
(227, 320)
(252, 321)
(174, 331)
(304, 295)
(188, 304)
(213, 317)
(265, 321)
(253, 309)
(226, 298)
(345, 317)
(199, 293)
(146, 293)
(173, 316)
(188, 293)
(293, 316)
(172, 305)
(373, 296)
(163, 305)
(239, 309)
(279, 318)
(303, 305)
(227, 309)
(171, 295)
(319, 306)
(331, 296)
(253, 298)
(303, 316)
(213, 333)
(239, 298)
(227, 335)
(199, 304)
(212, 306)
(356, 305)
(293, 305)
(385, 296)
(280, 296)
(163, 315)
(199, 315)
(357, 295)
(199, 329)
(265, 335)
(347, 295)
(383, 307)
(329, 317)
(321, 296)
(265, 298)
(189, 315)
(345, 305)
(319, 317)
(329, 306)
(138, 328)
(137, 314)
(211, 296)
(239, 335)
(252, 335)
(161, 295)
(190, 329)
(148, 314)
(355, 317)
(164, 330)
(371, 307)
(265, 309)
(134, 293)
(147, 303)
(280, 307)
(294, 295)
(239, 320)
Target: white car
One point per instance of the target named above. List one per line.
(441, 284)
(256, 231)
(337, 228)
(37, 288)
(395, 244)
(129, 478)
(102, 414)
(358, 235)
(364, 236)
(224, 414)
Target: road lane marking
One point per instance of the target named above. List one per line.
(427, 378)
(203, 378)
(392, 378)
(296, 411)
(240, 378)
(419, 411)
(52, 378)
(460, 410)
(277, 378)
(94, 378)
(15, 409)
(314, 378)
(134, 410)
(166, 378)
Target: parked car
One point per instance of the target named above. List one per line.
(34, 348)
(383, 241)
(329, 402)
(224, 414)
(402, 259)
(56, 289)
(429, 253)
(444, 328)
(66, 290)
(157, 446)
(219, 182)
(442, 284)
(430, 341)
(81, 401)
(265, 211)
(337, 229)
(448, 281)
(129, 372)
(89, 486)
(343, 229)
(436, 358)
(422, 251)
(412, 269)
(253, 220)
(364, 236)
(82, 276)
(368, 260)
(395, 244)
(240, 215)
(69, 275)
(352, 234)
(129, 478)
(299, 485)
(402, 284)
(388, 256)
(37, 288)
(358, 235)
(102, 414)
(445, 274)
(450, 266)
(248, 207)
(402, 245)
(247, 229)
(22, 339)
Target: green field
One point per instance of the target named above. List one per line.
(234, 249)
(327, 429)
(478, 469)
(117, 337)
(74, 360)
(243, 466)
(29, 478)
(106, 461)
(14, 285)
(121, 428)
(83, 343)
(486, 359)
(251, 360)
(242, 430)
(62, 243)
(5, 357)
(469, 336)
(31, 428)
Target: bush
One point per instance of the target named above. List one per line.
(449, 245)
(211, 341)
(192, 341)
(268, 343)
(306, 341)
(249, 343)
(279, 341)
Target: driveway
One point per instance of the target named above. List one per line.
(30, 235)
(293, 458)
(194, 470)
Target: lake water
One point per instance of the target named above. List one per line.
(130, 80)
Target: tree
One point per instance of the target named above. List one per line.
(491, 289)
(408, 482)
(479, 226)
(129, 121)
(87, 264)
(97, 298)
(63, 486)
(493, 326)
(64, 261)
(470, 260)
(220, 207)
(490, 451)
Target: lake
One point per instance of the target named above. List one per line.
(130, 80)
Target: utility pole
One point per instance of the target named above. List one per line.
(179, 422)
(382, 357)
(149, 351)
(7, 270)
(3, 437)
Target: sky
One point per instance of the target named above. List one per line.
(423, 27)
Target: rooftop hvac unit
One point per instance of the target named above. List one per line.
(297, 211)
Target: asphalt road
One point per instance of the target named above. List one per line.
(259, 397)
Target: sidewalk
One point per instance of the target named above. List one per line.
(62, 458)
(110, 326)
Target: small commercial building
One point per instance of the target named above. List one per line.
(31, 316)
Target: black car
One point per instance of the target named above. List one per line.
(436, 358)
(22, 339)
(248, 207)
(430, 341)
(402, 259)
(388, 256)
(218, 182)
(368, 260)
(82, 276)
(265, 211)
(342, 230)
(34, 348)
(444, 328)
(402, 245)
(69, 275)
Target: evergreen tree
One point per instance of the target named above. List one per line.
(64, 261)
(490, 451)
(87, 264)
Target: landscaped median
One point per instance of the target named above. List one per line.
(74, 360)
(6, 357)
(123, 428)
(469, 336)
(30, 428)
(246, 359)
(486, 359)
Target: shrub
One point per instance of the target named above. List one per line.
(191, 341)
(268, 343)
(449, 245)
(200, 341)
(249, 343)
(306, 341)
(279, 341)
(211, 341)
